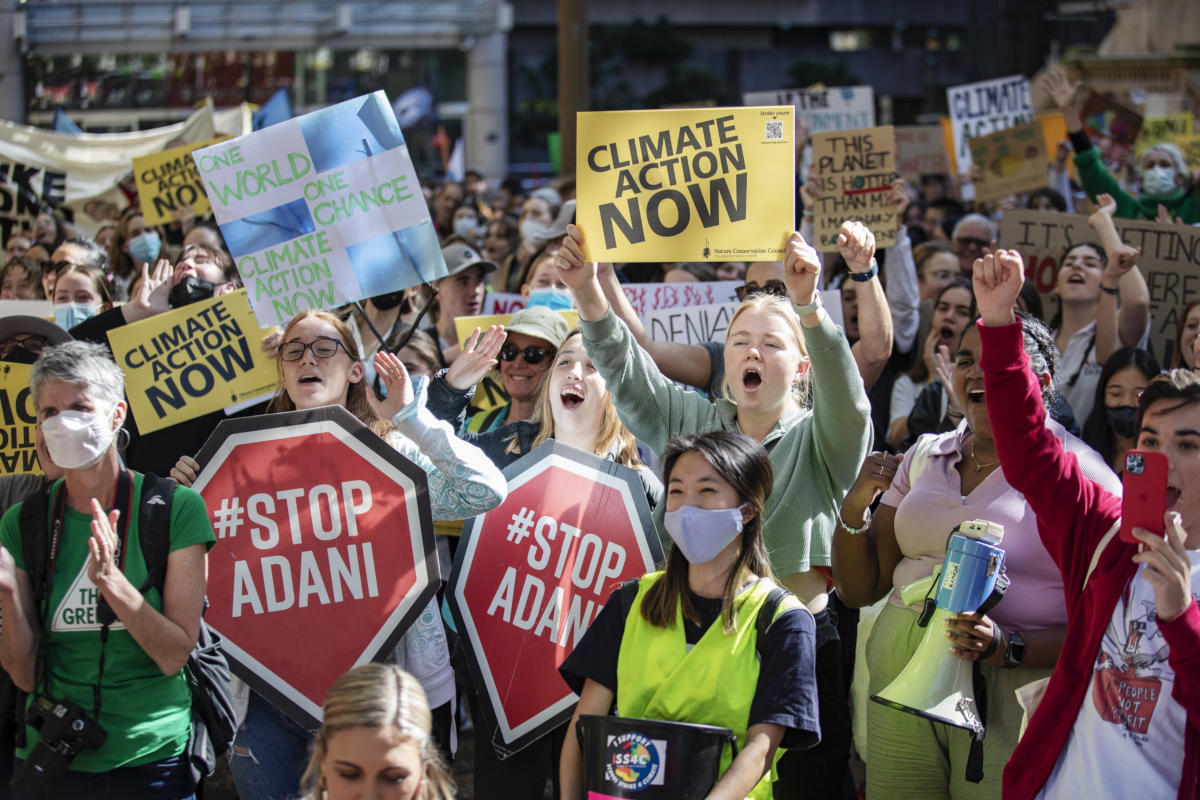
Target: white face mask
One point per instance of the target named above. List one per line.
(464, 226)
(1159, 181)
(532, 228)
(76, 439)
(702, 533)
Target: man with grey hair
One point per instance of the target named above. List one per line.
(972, 233)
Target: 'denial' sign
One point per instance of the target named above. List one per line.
(324, 535)
(531, 574)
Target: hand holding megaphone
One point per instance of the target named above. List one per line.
(972, 634)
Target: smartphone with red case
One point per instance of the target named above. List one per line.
(1144, 502)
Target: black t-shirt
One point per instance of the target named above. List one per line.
(786, 692)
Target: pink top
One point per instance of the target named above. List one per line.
(927, 513)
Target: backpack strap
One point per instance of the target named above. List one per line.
(35, 548)
(154, 529)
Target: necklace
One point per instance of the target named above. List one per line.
(978, 466)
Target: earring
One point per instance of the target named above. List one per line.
(122, 444)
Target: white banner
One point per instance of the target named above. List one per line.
(78, 173)
(834, 108)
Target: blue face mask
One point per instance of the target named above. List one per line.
(144, 249)
(68, 315)
(551, 297)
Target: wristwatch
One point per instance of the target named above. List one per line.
(1015, 652)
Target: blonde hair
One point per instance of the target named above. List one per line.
(613, 435)
(782, 307)
(386, 697)
(356, 394)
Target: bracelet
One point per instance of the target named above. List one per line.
(811, 307)
(991, 649)
(859, 530)
(863, 277)
(806, 213)
(1115, 291)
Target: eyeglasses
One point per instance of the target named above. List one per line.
(533, 355)
(322, 347)
(33, 342)
(977, 244)
(776, 288)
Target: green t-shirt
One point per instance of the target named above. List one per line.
(147, 714)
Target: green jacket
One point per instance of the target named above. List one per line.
(1096, 180)
(816, 454)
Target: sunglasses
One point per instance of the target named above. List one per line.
(32, 342)
(532, 355)
(322, 347)
(776, 288)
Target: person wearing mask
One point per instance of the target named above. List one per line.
(684, 648)
(376, 741)
(776, 351)
(141, 647)
(1132, 618)
(1111, 428)
(544, 287)
(132, 245)
(80, 293)
(318, 366)
(537, 216)
(1165, 178)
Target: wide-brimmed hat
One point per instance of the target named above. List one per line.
(35, 326)
(541, 323)
(460, 256)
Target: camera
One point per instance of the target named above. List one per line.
(1135, 464)
(65, 730)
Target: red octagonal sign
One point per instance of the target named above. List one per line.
(324, 554)
(531, 574)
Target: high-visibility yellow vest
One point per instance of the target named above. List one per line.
(712, 684)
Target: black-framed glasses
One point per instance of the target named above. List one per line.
(322, 347)
(777, 288)
(969, 241)
(35, 343)
(532, 354)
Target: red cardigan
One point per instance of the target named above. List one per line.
(1073, 515)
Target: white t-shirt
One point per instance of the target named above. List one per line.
(1128, 735)
(904, 395)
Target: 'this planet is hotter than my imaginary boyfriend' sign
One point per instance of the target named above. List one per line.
(322, 209)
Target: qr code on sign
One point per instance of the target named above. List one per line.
(774, 131)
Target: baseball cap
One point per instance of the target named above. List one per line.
(541, 323)
(460, 256)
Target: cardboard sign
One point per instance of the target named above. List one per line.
(977, 109)
(192, 361)
(168, 181)
(1167, 128)
(1105, 117)
(855, 170)
(322, 210)
(1170, 261)
(832, 108)
(1012, 160)
(686, 185)
(18, 448)
(920, 150)
(531, 575)
(336, 549)
(690, 324)
(31, 308)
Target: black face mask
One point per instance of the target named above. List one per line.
(189, 290)
(19, 355)
(1122, 420)
(386, 302)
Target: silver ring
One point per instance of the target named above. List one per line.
(881, 469)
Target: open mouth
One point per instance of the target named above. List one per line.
(571, 398)
(975, 396)
(751, 379)
(946, 334)
(1076, 278)
(1172, 496)
(310, 379)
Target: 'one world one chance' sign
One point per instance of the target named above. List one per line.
(323, 209)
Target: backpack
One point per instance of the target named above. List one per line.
(214, 720)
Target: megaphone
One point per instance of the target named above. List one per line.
(936, 684)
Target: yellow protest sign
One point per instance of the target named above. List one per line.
(1167, 128)
(168, 180)
(1011, 161)
(1190, 147)
(712, 184)
(465, 326)
(192, 361)
(855, 170)
(18, 448)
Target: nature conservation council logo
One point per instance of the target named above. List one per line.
(634, 762)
